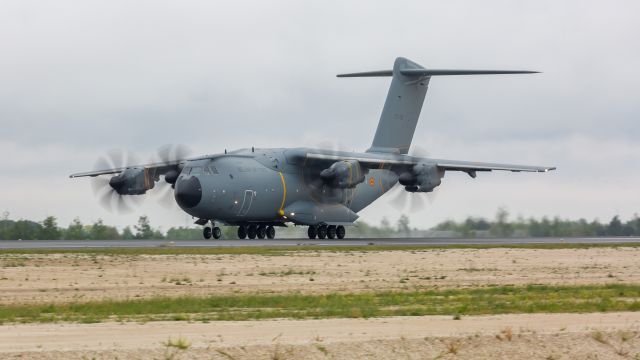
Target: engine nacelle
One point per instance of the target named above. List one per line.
(171, 176)
(422, 178)
(343, 174)
(132, 181)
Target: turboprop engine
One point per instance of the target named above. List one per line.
(422, 178)
(132, 181)
(343, 174)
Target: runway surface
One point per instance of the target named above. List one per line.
(74, 244)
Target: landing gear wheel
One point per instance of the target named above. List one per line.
(331, 231)
(262, 232)
(242, 232)
(271, 232)
(312, 232)
(340, 232)
(206, 232)
(322, 231)
(252, 231)
(216, 232)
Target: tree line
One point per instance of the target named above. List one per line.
(501, 226)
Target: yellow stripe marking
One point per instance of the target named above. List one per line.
(284, 194)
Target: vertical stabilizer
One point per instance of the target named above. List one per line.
(404, 101)
(401, 109)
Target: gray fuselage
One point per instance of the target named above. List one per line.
(268, 186)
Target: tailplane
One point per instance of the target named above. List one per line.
(401, 111)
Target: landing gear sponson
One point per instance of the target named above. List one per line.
(326, 231)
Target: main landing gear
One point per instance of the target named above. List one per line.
(326, 231)
(260, 231)
(214, 232)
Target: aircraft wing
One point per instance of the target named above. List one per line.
(468, 166)
(402, 163)
(159, 168)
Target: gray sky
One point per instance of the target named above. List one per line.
(81, 77)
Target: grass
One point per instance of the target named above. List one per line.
(476, 301)
(286, 250)
(179, 343)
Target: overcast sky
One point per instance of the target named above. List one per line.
(81, 77)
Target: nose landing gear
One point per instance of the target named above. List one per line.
(214, 232)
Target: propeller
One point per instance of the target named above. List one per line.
(104, 186)
(165, 154)
(414, 201)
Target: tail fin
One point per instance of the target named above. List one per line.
(404, 102)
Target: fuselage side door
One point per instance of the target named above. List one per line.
(246, 202)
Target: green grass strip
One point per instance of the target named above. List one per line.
(284, 250)
(476, 301)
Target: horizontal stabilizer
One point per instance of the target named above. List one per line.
(428, 72)
(368, 74)
(436, 72)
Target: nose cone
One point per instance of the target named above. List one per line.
(188, 192)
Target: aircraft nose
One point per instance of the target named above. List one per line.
(188, 192)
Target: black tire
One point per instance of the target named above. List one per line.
(271, 232)
(331, 231)
(340, 232)
(312, 232)
(216, 232)
(262, 232)
(252, 231)
(242, 232)
(206, 232)
(322, 231)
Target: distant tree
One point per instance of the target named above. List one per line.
(50, 230)
(143, 229)
(229, 232)
(100, 231)
(6, 226)
(75, 231)
(634, 224)
(615, 227)
(157, 234)
(501, 226)
(184, 233)
(403, 225)
(127, 234)
(385, 228)
(25, 230)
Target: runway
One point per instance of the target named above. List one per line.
(75, 244)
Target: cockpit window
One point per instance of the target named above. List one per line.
(200, 170)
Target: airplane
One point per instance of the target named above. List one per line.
(258, 190)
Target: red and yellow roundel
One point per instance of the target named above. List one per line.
(372, 182)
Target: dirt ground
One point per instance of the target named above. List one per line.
(519, 336)
(80, 277)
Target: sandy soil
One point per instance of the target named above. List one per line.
(70, 277)
(520, 336)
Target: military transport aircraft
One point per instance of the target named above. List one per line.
(260, 189)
